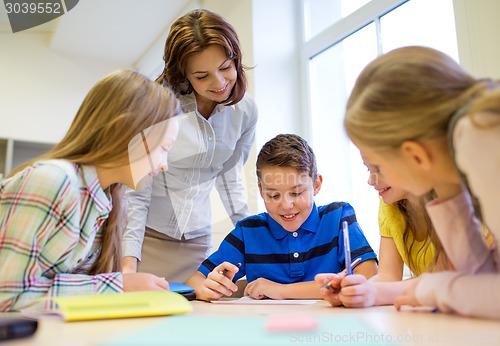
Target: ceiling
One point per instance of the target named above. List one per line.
(119, 32)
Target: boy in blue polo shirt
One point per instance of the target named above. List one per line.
(282, 250)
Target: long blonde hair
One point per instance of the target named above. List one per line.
(116, 109)
(412, 93)
(488, 102)
(415, 215)
(409, 93)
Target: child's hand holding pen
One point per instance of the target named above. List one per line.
(219, 281)
(330, 294)
(225, 271)
(330, 284)
(331, 289)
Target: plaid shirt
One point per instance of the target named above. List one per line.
(51, 215)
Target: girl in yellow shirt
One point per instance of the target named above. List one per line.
(407, 237)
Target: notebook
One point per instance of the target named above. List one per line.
(116, 305)
(183, 289)
(179, 287)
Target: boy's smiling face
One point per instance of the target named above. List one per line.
(288, 195)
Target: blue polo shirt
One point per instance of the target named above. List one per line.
(267, 250)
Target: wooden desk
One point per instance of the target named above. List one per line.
(409, 328)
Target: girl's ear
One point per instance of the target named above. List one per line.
(318, 183)
(417, 154)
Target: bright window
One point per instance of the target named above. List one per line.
(421, 22)
(320, 14)
(335, 57)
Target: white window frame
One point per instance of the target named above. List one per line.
(371, 12)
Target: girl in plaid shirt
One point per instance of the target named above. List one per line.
(62, 214)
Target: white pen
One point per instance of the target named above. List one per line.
(353, 265)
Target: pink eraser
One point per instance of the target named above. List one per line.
(291, 323)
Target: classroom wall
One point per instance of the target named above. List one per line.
(477, 30)
(40, 90)
(277, 37)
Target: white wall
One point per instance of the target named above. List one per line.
(478, 28)
(40, 89)
(277, 75)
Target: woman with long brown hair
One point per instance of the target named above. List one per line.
(170, 222)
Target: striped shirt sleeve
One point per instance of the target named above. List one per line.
(232, 250)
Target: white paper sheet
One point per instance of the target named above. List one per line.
(249, 300)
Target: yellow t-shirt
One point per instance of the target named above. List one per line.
(392, 225)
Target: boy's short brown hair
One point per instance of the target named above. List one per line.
(287, 150)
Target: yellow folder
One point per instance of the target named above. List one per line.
(121, 305)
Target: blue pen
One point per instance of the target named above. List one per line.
(347, 253)
(347, 248)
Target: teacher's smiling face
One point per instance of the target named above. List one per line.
(211, 73)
